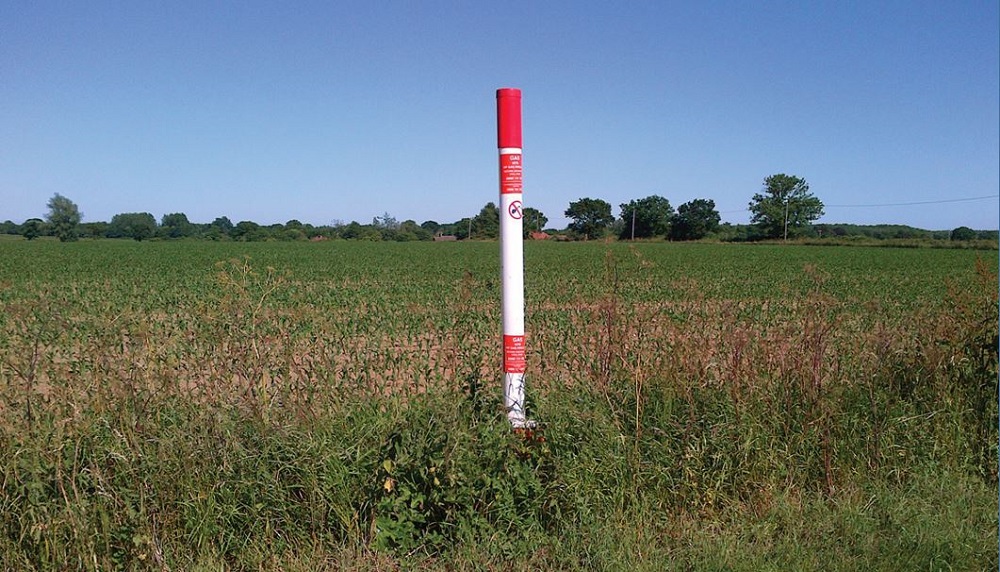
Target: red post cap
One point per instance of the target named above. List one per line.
(508, 117)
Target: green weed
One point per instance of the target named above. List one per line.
(317, 406)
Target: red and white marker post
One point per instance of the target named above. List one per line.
(512, 254)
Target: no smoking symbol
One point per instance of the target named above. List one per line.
(514, 210)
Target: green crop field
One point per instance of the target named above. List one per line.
(336, 405)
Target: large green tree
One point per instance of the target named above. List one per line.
(385, 222)
(410, 230)
(96, 229)
(486, 224)
(137, 226)
(248, 231)
(694, 220)
(218, 229)
(431, 226)
(293, 230)
(64, 217)
(646, 218)
(785, 208)
(223, 224)
(591, 217)
(357, 231)
(459, 228)
(963, 233)
(176, 225)
(33, 228)
(534, 221)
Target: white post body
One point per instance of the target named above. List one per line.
(512, 279)
(512, 254)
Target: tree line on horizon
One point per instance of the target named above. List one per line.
(784, 209)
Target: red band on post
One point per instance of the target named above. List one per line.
(508, 117)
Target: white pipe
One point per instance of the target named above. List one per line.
(512, 279)
(512, 254)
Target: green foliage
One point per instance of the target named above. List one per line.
(878, 231)
(591, 217)
(248, 231)
(137, 226)
(176, 225)
(409, 230)
(64, 218)
(385, 222)
(786, 208)
(646, 218)
(356, 231)
(316, 407)
(94, 229)
(223, 224)
(534, 221)
(33, 228)
(434, 490)
(486, 224)
(695, 219)
(431, 226)
(460, 229)
(963, 233)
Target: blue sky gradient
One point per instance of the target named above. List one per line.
(340, 111)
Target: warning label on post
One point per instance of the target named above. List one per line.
(513, 354)
(514, 210)
(510, 173)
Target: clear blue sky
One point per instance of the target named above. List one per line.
(344, 110)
